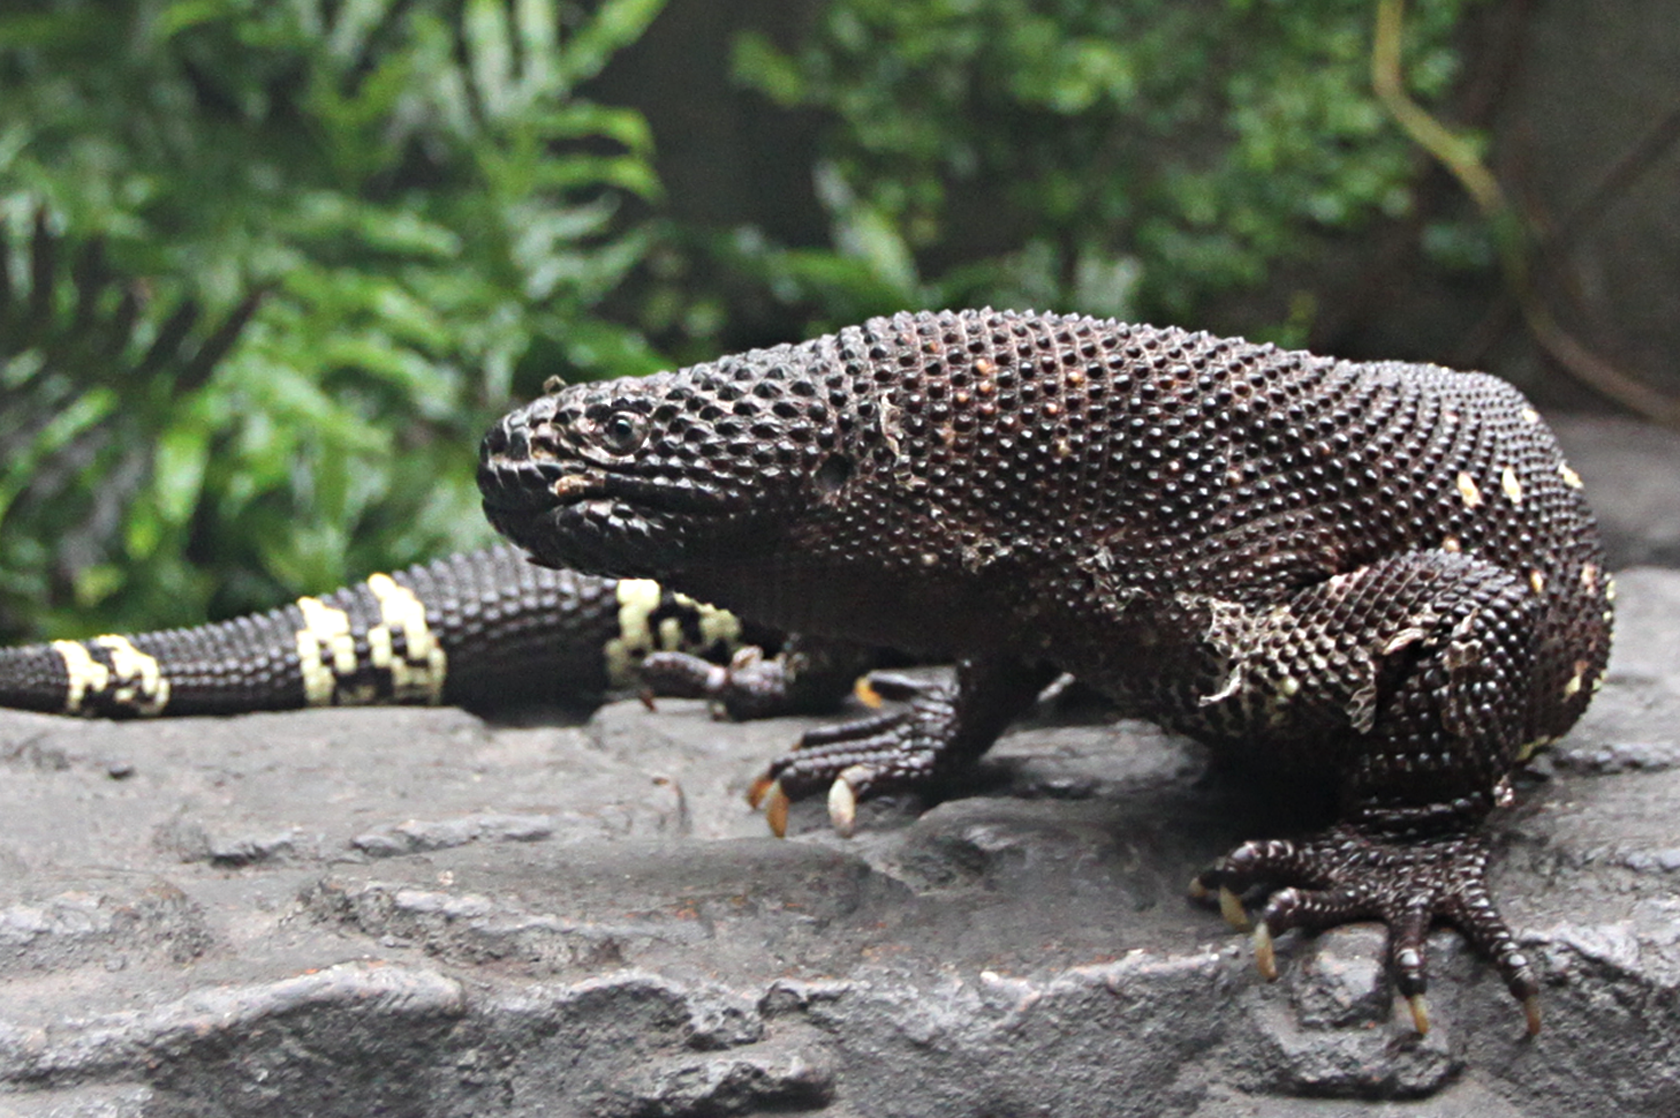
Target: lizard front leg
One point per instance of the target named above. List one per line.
(936, 740)
(1428, 662)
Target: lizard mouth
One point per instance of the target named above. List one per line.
(515, 483)
(534, 485)
(568, 510)
(568, 519)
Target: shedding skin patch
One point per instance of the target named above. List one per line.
(1247, 640)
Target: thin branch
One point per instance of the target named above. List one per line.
(1511, 239)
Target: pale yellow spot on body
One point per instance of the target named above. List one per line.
(717, 626)
(637, 599)
(1573, 687)
(1570, 477)
(381, 650)
(420, 673)
(1468, 491)
(1451, 544)
(140, 681)
(85, 674)
(1589, 577)
(1510, 485)
(326, 650)
(1530, 415)
(1537, 579)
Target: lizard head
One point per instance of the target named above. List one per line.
(645, 477)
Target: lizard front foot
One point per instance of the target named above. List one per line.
(855, 760)
(807, 675)
(1348, 874)
(749, 686)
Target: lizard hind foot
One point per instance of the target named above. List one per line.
(1349, 873)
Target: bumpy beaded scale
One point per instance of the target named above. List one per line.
(1382, 577)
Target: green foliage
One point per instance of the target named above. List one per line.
(1138, 158)
(270, 268)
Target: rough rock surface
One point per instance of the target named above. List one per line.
(415, 912)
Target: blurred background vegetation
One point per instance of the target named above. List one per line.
(268, 269)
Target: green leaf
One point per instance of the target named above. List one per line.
(616, 24)
(178, 471)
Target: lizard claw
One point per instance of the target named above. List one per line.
(893, 686)
(1420, 1013)
(843, 799)
(1265, 958)
(1231, 907)
(767, 794)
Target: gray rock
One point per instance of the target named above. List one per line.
(417, 912)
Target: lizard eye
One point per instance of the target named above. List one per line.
(622, 431)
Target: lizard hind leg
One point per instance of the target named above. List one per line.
(1423, 722)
